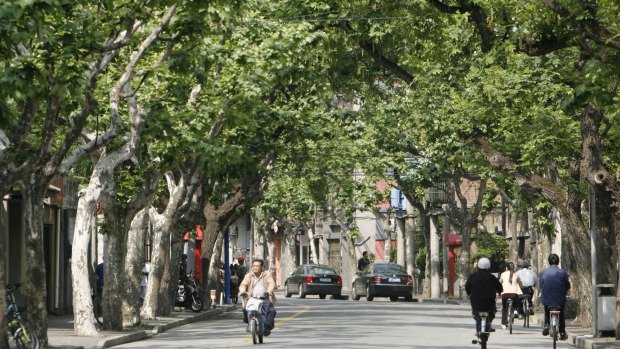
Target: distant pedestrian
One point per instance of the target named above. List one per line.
(144, 278)
(183, 269)
(554, 286)
(241, 268)
(99, 278)
(363, 262)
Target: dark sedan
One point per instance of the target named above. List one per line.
(313, 279)
(383, 280)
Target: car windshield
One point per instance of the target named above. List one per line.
(390, 269)
(321, 271)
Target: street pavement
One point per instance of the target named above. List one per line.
(60, 329)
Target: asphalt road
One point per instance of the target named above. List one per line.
(316, 323)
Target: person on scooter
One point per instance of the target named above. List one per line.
(260, 283)
(482, 288)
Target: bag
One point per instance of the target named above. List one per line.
(253, 304)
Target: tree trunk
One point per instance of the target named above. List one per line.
(3, 229)
(35, 285)
(290, 251)
(513, 245)
(114, 290)
(134, 261)
(159, 258)
(82, 302)
(215, 282)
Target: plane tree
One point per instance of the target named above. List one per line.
(515, 83)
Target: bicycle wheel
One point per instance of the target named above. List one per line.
(97, 310)
(254, 329)
(483, 341)
(25, 338)
(526, 314)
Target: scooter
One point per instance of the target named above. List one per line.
(188, 294)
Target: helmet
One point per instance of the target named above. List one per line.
(525, 264)
(484, 263)
(240, 259)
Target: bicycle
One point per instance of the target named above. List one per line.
(17, 325)
(525, 299)
(481, 323)
(256, 318)
(554, 323)
(510, 314)
(97, 307)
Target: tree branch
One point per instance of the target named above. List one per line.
(380, 59)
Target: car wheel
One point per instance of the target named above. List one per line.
(302, 291)
(394, 298)
(322, 295)
(336, 296)
(287, 294)
(409, 298)
(354, 294)
(369, 295)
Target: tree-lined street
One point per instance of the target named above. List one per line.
(147, 119)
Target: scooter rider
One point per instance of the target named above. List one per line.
(482, 288)
(259, 283)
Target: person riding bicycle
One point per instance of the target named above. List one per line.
(482, 288)
(259, 283)
(554, 286)
(528, 282)
(512, 289)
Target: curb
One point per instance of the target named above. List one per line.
(140, 335)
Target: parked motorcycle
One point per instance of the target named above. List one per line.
(188, 293)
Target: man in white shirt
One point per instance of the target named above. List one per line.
(528, 281)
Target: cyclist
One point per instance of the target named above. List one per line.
(512, 289)
(528, 281)
(554, 285)
(482, 288)
(258, 283)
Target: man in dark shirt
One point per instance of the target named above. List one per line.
(363, 262)
(554, 286)
(482, 288)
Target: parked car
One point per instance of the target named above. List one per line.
(313, 279)
(383, 280)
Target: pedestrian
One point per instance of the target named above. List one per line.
(259, 283)
(528, 282)
(363, 262)
(99, 278)
(144, 277)
(512, 289)
(241, 268)
(183, 269)
(554, 286)
(482, 288)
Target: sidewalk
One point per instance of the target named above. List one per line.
(60, 329)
